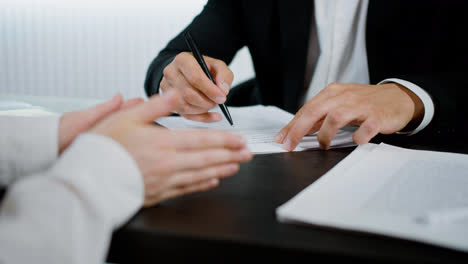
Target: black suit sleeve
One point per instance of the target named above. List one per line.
(423, 46)
(447, 81)
(217, 31)
(444, 91)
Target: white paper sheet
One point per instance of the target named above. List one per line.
(416, 195)
(18, 108)
(259, 124)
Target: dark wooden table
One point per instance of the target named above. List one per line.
(237, 220)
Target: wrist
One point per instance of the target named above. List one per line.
(412, 105)
(418, 106)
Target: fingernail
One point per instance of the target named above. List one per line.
(242, 141)
(279, 137)
(323, 146)
(233, 167)
(245, 153)
(225, 87)
(288, 145)
(214, 181)
(168, 95)
(218, 117)
(220, 100)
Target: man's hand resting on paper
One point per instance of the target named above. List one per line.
(199, 94)
(173, 163)
(385, 108)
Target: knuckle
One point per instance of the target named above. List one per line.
(340, 116)
(219, 63)
(306, 111)
(371, 125)
(194, 78)
(368, 130)
(335, 117)
(164, 85)
(167, 72)
(349, 94)
(230, 74)
(312, 113)
(334, 86)
(181, 57)
(188, 96)
(184, 108)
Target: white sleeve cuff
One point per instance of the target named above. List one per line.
(425, 98)
(104, 175)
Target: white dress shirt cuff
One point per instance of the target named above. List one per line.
(103, 174)
(425, 98)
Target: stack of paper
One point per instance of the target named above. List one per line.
(416, 195)
(18, 108)
(259, 125)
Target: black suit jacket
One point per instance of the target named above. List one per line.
(418, 41)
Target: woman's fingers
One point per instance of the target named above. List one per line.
(191, 177)
(188, 181)
(196, 160)
(176, 192)
(205, 139)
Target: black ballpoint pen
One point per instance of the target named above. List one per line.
(196, 53)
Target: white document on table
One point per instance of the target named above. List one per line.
(259, 124)
(410, 194)
(18, 108)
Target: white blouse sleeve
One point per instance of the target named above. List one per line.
(27, 145)
(67, 213)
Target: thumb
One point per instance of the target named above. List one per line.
(156, 107)
(222, 74)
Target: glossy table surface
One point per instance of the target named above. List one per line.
(238, 219)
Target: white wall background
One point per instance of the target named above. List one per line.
(90, 48)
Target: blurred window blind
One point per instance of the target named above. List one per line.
(88, 48)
